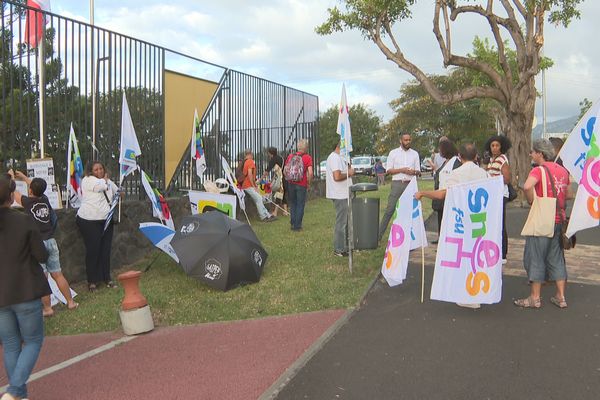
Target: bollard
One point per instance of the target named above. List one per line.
(135, 313)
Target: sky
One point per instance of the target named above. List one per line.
(276, 40)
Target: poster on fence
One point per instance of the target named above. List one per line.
(44, 168)
(201, 202)
(21, 188)
(468, 265)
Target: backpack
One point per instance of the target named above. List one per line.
(294, 168)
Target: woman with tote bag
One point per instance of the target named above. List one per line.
(543, 256)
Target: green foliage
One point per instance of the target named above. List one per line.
(364, 124)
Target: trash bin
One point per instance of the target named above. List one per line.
(365, 216)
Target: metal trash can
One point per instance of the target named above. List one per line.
(365, 216)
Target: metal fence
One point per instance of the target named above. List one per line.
(246, 111)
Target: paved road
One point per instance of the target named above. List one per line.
(394, 347)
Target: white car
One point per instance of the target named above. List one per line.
(363, 165)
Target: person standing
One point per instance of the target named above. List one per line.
(97, 194)
(403, 163)
(544, 257)
(22, 285)
(497, 146)
(275, 167)
(440, 177)
(338, 179)
(299, 161)
(249, 186)
(437, 158)
(379, 172)
(38, 206)
(467, 172)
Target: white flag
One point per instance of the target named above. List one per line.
(160, 208)
(130, 148)
(574, 152)
(197, 147)
(468, 266)
(74, 171)
(230, 176)
(586, 208)
(400, 241)
(343, 127)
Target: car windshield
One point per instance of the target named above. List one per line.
(361, 161)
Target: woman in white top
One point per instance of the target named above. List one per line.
(97, 194)
(497, 146)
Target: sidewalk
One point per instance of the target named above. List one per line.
(395, 347)
(232, 360)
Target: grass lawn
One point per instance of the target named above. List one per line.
(301, 274)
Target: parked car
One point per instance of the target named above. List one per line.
(322, 169)
(425, 166)
(383, 161)
(363, 165)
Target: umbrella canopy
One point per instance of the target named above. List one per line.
(218, 250)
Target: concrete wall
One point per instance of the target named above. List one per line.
(129, 245)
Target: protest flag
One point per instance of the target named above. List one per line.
(230, 176)
(130, 148)
(343, 127)
(197, 146)
(468, 264)
(160, 208)
(35, 21)
(586, 207)
(160, 236)
(74, 171)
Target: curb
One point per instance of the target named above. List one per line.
(292, 370)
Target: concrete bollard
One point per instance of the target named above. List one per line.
(135, 313)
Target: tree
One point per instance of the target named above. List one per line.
(584, 106)
(513, 88)
(364, 124)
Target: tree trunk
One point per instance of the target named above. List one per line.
(517, 125)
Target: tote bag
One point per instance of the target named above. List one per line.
(540, 221)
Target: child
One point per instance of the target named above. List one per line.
(38, 206)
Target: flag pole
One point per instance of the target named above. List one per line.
(42, 86)
(350, 222)
(423, 240)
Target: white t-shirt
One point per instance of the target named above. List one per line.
(336, 189)
(438, 160)
(400, 158)
(467, 172)
(94, 206)
(445, 172)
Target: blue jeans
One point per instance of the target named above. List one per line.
(22, 334)
(296, 200)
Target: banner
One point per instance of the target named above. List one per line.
(406, 233)
(44, 168)
(130, 148)
(160, 208)
(197, 147)
(574, 151)
(56, 296)
(586, 208)
(74, 172)
(468, 265)
(160, 236)
(201, 202)
(343, 127)
(230, 176)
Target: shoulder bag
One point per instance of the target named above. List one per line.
(540, 221)
(566, 243)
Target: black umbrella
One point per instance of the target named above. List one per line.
(219, 250)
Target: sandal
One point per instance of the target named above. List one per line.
(559, 302)
(74, 307)
(529, 302)
(92, 287)
(111, 285)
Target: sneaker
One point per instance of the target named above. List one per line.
(340, 253)
(270, 219)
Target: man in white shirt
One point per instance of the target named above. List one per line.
(467, 172)
(338, 179)
(403, 163)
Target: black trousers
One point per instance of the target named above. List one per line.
(97, 249)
